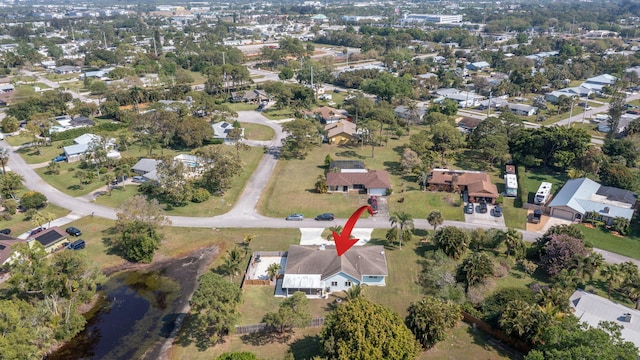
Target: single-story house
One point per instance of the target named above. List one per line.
(98, 74)
(145, 166)
(405, 113)
(7, 88)
(80, 120)
(591, 309)
(580, 196)
(596, 83)
(250, 96)
(51, 238)
(221, 130)
(66, 69)
(318, 271)
(579, 91)
(625, 120)
(327, 114)
(478, 65)
(341, 133)
(468, 124)
(347, 166)
(75, 152)
(522, 109)
(495, 103)
(7, 253)
(476, 184)
(372, 182)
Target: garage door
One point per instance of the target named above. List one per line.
(562, 214)
(379, 192)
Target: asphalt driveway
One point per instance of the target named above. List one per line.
(487, 219)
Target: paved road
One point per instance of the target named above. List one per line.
(243, 214)
(55, 85)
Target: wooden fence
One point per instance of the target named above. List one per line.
(256, 328)
(522, 346)
(256, 282)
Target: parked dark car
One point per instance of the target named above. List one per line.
(325, 217)
(76, 245)
(138, 179)
(497, 211)
(6, 231)
(469, 208)
(36, 231)
(373, 201)
(73, 231)
(483, 208)
(537, 216)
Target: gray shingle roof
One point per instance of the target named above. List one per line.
(357, 262)
(145, 165)
(584, 195)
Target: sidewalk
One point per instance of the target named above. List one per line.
(71, 217)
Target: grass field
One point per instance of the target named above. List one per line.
(603, 239)
(273, 114)
(291, 188)
(240, 106)
(18, 224)
(535, 177)
(257, 132)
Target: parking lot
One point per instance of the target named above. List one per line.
(487, 218)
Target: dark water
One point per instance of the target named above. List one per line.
(132, 315)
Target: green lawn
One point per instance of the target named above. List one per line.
(19, 139)
(257, 131)
(603, 239)
(117, 196)
(240, 106)
(274, 114)
(464, 342)
(514, 217)
(19, 225)
(67, 182)
(41, 155)
(535, 177)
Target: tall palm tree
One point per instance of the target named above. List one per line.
(354, 292)
(403, 223)
(513, 239)
(435, 219)
(272, 270)
(336, 228)
(232, 261)
(613, 275)
(4, 156)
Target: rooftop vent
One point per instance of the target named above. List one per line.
(626, 317)
(606, 210)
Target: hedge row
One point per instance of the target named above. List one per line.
(74, 133)
(523, 193)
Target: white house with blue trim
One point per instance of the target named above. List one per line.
(580, 196)
(318, 270)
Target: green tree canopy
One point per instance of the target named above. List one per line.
(362, 330)
(213, 310)
(430, 318)
(452, 240)
(293, 312)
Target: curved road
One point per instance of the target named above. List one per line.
(243, 214)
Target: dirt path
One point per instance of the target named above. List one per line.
(185, 271)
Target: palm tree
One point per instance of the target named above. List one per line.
(337, 229)
(613, 275)
(38, 219)
(246, 241)
(513, 239)
(575, 173)
(53, 167)
(476, 268)
(232, 261)
(435, 219)
(403, 223)
(273, 270)
(49, 217)
(354, 292)
(4, 156)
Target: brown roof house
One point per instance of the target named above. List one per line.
(7, 253)
(327, 115)
(372, 182)
(52, 238)
(476, 184)
(318, 270)
(342, 132)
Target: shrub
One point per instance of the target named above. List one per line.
(103, 170)
(6, 216)
(11, 206)
(200, 195)
(33, 200)
(523, 194)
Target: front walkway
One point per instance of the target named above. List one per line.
(313, 236)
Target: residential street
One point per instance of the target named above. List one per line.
(243, 213)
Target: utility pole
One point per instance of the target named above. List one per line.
(155, 49)
(312, 87)
(104, 37)
(489, 107)
(224, 73)
(570, 112)
(584, 111)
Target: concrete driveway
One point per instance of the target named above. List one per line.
(487, 218)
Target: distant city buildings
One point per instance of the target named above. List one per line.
(431, 18)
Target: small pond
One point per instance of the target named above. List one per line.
(134, 313)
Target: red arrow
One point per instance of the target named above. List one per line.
(343, 241)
